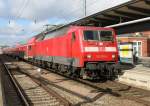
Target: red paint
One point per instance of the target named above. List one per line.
(63, 46)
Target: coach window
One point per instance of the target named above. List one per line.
(73, 36)
(30, 47)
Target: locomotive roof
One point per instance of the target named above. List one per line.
(63, 30)
(60, 30)
(73, 26)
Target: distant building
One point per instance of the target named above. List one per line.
(1, 50)
(141, 42)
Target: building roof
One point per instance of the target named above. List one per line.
(129, 11)
(118, 17)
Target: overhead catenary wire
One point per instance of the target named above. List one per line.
(63, 14)
(74, 11)
(85, 8)
(25, 3)
(21, 10)
(18, 12)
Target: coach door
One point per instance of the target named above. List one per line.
(73, 46)
(73, 39)
(30, 51)
(137, 48)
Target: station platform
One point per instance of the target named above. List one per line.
(138, 76)
(145, 61)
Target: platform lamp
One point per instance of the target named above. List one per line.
(84, 4)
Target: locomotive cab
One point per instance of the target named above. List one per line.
(100, 45)
(100, 51)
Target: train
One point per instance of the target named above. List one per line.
(81, 51)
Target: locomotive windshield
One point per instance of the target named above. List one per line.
(105, 35)
(91, 35)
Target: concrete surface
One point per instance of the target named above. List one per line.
(138, 76)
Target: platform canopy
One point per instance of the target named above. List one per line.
(129, 11)
(129, 17)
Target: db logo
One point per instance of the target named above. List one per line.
(101, 49)
(100, 44)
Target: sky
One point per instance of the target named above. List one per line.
(22, 19)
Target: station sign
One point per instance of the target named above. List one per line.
(126, 52)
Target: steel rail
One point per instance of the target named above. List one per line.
(17, 87)
(103, 90)
(50, 91)
(108, 90)
(39, 81)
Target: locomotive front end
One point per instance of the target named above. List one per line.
(100, 52)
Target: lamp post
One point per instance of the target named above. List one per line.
(85, 8)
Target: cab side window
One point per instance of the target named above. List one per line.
(30, 47)
(73, 36)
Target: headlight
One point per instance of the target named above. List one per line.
(113, 56)
(89, 56)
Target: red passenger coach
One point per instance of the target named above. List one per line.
(87, 52)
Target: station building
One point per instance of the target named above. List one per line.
(128, 17)
(140, 40)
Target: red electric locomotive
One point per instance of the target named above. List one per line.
(88, 52)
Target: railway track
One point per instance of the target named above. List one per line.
(34, 93)
(117, 89)
(124, 91)
(11, 95)
(114, 88)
